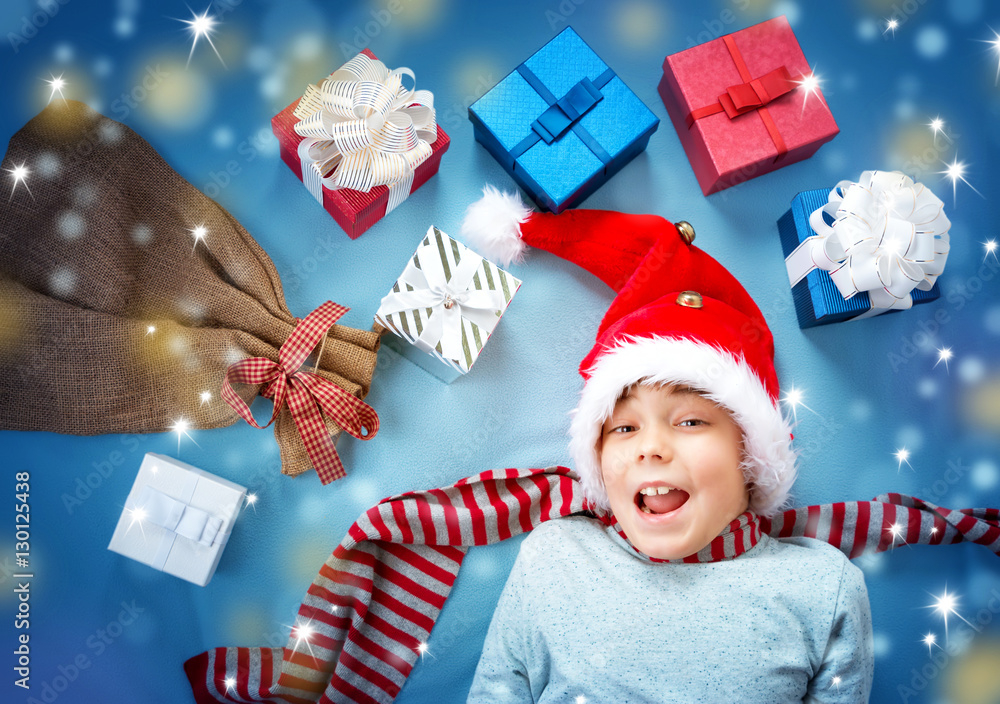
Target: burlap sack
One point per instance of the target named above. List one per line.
(100, 251)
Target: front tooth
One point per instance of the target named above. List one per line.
(654, 490)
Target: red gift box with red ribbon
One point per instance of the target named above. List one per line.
(745, 104)
(355, 211)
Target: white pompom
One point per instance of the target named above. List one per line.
(492, 226)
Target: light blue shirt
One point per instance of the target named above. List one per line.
(582, 614)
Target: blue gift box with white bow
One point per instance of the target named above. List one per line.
(897, 242)
(562, 123)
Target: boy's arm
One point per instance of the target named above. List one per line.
(849, 661)
(502, 673)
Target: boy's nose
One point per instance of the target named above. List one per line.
(654, 447)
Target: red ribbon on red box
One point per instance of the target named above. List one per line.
(746, 97)
(752, 95)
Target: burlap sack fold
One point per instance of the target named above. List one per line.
(114, 317)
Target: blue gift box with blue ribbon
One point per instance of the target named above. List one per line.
(818, 301)
(562, 123)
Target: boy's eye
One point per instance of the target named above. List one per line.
(691, 422)
(623, 429)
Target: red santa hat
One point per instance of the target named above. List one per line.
(679, 317)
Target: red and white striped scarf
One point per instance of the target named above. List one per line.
(364, 619)
(741, 534)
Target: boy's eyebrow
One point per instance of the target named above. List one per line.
(678, 390)
(686, 391)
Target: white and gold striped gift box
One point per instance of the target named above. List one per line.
(479, 301)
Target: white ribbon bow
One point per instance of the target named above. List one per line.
(364, 129)
(889, 236)
(450, 300)
(179, 519)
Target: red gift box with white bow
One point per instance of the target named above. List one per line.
(361, 139)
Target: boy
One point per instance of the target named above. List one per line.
(674, 595)
(588, 613)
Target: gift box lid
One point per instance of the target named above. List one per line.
(563, 152)
(703, 73)
(177, 518)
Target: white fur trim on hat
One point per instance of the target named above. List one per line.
(492, 226)
(770, 460)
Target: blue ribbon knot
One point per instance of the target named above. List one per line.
(553, 123)
(563, 114)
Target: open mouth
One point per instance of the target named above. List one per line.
(660, 499)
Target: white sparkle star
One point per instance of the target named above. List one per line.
(199, 235)
(252, 501)
(934, 529)
(991, 248)
(150, 329)
(138, 515)
(181, 427)
(810, 84)
(202, 26)
(302, 633)
(893, 247)
(945, 605)
(896, 530)
(936, 125)
(56, 83)
(422, 648)
(836, 681)
(230, 683)
(903, 455)
(944, 354)
(793, 397)
(580, 699)
(891, 25)
(205, 396)
(930, 640)
(956, 172)
(20, 175)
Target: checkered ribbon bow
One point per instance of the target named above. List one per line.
(309, 396)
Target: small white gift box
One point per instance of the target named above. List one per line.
(177, 518)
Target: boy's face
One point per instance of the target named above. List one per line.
(672, 437)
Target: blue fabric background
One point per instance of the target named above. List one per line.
(872, 386)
